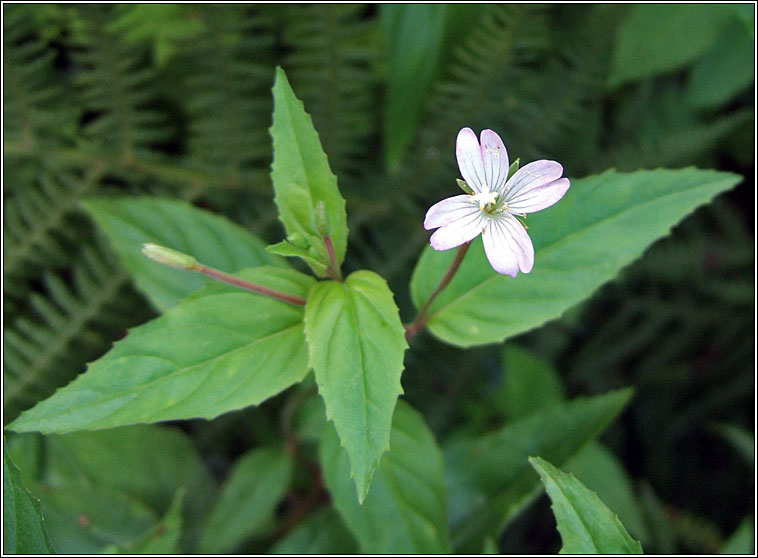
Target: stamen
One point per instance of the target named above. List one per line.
(521, 222)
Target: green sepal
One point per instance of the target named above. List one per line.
(513, 168)
(465, 187)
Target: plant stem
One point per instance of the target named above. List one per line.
(419, 322)
(241, 283)
(333, 271)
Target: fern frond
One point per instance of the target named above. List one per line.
(479, 88)
(116, 90)
(35, 113)
(164, 26)
(39, 231)
(332, 47)
(228, 95)
(70, 323)
(561, 98)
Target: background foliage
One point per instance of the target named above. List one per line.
(175, 100)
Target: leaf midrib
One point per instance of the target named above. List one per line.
(180, 370)
(291, 122)
(350, 305)
(595, 548)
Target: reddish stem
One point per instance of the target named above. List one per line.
(419, 322)
(333, 271)
(242, 284)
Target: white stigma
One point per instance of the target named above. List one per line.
(484, 199)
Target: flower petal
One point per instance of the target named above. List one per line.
(469, 156)
(507, 245)
(495, 160)
(458, 232)
(448, 210)
(540, 197)
(536, 186)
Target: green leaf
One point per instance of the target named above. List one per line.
(302, 178)
(419, 40)
(745, 14)
(530, 383)
(245, 508)
(600, 470)
(725, 70)
(490, 547)
(586, 524)
(83, 519)
(219, 350)
(309, 417)
(655, 38)
(211, 239)
(742, 541)
(660, 524)
(24, 529)
(111, 486)
(603, 223)
(149, 462)
(286, 248)
(740, 439)
(322, 532)
(404, 512)
(414, 39)
(356, 344)
(488, 478)
(161, 539)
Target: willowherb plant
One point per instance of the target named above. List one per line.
(262, 327)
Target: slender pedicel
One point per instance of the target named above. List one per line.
(419, 322)
(178, 260)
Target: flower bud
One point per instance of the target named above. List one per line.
(321, 218)
(169, 257)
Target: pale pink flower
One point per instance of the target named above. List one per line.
(496, 200)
